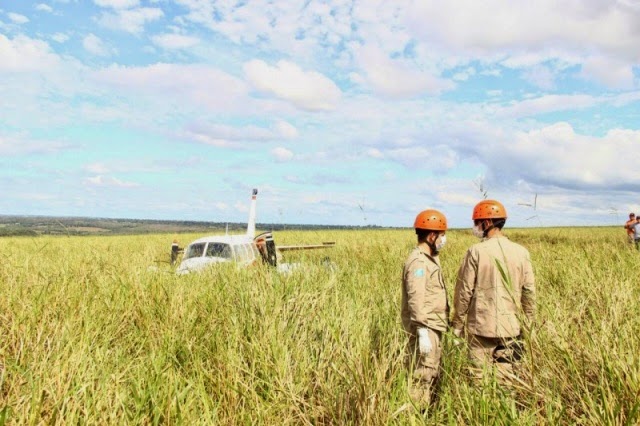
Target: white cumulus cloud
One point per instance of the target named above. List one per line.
(174, 41)
(41, 7)
(557, 155)
(25, 54)
(540, 76)
(282, 154)
(286, 130)
(308, 90)
(17, 18)
(94, 45)
(548, 103)
(375, 153)
(438, 158)
(221, 135)
(60, 37)
(117, 4)
(494, 25)
(608, 72)
(108, 181)
(130, 20)
(397, 78)
(23, 144)
(198, 85)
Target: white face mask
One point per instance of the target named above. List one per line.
(477, 231)
(441, 244)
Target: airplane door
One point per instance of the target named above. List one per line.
(271, 252)
(267, 248)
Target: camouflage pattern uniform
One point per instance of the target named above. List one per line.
(424, 305)
(491, 305)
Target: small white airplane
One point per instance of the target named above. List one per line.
(244, 250)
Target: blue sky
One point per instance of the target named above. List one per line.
(340, 112)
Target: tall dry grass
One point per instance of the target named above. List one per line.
(89, 334)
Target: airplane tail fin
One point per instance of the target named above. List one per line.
(251, 226)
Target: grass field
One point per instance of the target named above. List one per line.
(90, 334)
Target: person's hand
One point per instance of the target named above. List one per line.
(424, 343)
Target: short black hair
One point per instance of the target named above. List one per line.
(423, 233)
(499, 223)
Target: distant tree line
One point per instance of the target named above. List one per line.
(43, 225)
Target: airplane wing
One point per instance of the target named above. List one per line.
(329, 244)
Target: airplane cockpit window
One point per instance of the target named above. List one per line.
(241, 253)
(194, 250)
(250, 255)
(254, 250)
(219, 250)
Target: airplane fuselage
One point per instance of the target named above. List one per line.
(244, 250)
(210, 250)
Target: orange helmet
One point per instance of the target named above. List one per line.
(489, 209)
(431, 220)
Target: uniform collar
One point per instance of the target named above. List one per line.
(495, 236)
(434, 259)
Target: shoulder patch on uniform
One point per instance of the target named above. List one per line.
(418, 273)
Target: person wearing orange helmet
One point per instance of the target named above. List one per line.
(495, 291)
(636, 233)
(425, 308)
(629, 227)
